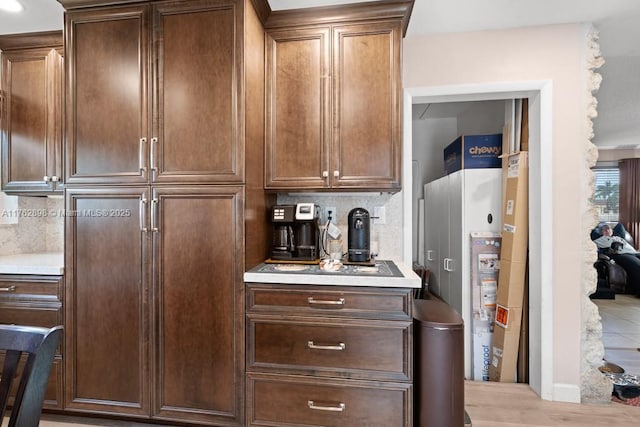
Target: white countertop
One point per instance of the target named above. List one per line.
(409, 279)
(46, 263)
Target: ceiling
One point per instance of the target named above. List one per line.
(616, 19)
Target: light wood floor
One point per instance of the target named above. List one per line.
(488, 405)
(501, 405)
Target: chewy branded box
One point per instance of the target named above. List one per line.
(485, 268)
(504, 346)
(515, 209)
(473, 152)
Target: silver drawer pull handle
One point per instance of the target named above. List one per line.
(11, 288)
(337, 408)
(338, 347)
(340, 301)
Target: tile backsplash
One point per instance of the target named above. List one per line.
(389, 235)
(38, 227)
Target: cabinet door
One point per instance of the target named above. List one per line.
(106, 106)
(31, 120)
(367, 106)
(297, 120)
(442, 224)
(458, 236)
(199, 310)
(197, 86)
(106, 331)
(431, 236)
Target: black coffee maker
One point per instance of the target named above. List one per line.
(359, 235)
(295, 232)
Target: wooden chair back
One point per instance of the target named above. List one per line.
(38, 345)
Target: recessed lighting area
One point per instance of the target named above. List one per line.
(10, 5)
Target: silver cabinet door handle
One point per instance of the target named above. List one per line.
(429, 255)
(141, 155)
(154, 214)
(448, 264)
(341, 346)
(46, 178)
(143, 210)
(154, 143)
(333, 408)
(312, 301)
(11, 288)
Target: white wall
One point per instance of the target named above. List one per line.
(618, 121)
(552, 53)
(482, 118)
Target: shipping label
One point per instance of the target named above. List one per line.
(502, 316)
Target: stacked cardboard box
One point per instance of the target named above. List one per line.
(511, 280)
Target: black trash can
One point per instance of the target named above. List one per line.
(438, 332)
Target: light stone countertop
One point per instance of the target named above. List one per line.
(409, 279)
(45, 263)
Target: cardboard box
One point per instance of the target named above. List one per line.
(511, 283)
(482, 336)
(506, 337)
(485, 268)
(473, 152)
(515, 211)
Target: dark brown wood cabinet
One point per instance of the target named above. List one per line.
(328, 356)
(333, 117)
(153, 92)
(164, 98)
(34, 300)
(154, 290)
(31, 120)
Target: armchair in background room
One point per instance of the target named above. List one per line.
(612, 277)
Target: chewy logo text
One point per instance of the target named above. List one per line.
(485, 150)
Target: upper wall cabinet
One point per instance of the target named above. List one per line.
(334, 98)
(158, 86)
(31, 121)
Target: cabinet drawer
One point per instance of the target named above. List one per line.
(297, 401)
(355, 349)
(43, 289)
(28, 315)
(330, 301)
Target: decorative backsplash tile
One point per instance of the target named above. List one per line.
(389, 235)
(35, 230)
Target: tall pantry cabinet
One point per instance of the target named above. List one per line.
(156, 133)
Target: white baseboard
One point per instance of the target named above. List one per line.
(566, 393)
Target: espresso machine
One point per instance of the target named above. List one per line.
(359, 223)
(295, 232)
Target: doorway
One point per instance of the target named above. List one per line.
(540, 211)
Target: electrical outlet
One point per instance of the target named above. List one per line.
(334, 215)
(379, 215)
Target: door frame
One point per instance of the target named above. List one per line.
(541, 251)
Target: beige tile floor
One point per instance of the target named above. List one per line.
(621, 331)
